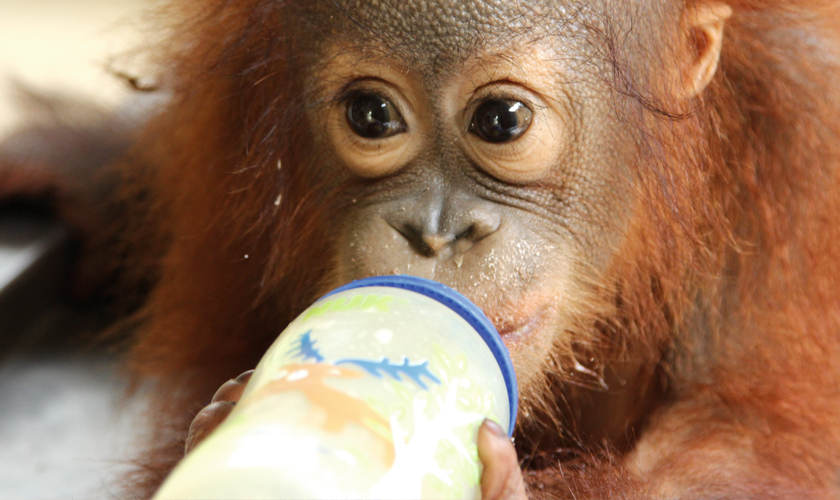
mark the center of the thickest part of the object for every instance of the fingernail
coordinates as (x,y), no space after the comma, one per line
(218,403)
(495,428)
(244,377)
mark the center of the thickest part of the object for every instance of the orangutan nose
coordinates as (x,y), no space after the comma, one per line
(435,229)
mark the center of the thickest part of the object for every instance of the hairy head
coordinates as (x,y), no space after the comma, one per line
(543,158)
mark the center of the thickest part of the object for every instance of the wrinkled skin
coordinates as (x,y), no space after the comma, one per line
(523,227)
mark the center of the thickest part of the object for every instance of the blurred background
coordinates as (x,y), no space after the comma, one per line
(65,426)
(65,46)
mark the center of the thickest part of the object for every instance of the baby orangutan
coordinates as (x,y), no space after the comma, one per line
(642,196)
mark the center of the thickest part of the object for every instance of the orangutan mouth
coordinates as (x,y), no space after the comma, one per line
(516,328)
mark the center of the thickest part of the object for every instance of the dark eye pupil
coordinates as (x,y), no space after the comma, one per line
(501,120)
(373,117)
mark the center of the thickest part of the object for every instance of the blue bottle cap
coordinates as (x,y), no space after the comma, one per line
(474,316)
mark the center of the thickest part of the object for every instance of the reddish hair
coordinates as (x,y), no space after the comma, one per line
(726,291)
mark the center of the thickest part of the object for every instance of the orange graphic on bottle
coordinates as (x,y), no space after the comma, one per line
(340,409)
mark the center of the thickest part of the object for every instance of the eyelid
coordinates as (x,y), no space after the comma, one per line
(530,156)
(377,87)
(502,90)
(520,131)
(353,90)
(352,93)
(372,158)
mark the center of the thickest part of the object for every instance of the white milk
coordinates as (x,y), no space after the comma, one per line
(375,391)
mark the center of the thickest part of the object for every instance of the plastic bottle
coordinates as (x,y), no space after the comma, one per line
(376,391)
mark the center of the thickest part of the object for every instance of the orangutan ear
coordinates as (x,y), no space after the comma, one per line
(704,23)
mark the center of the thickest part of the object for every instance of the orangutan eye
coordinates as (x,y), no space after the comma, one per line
(501,120)
(373,117)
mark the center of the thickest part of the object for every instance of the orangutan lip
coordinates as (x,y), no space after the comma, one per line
(515,331)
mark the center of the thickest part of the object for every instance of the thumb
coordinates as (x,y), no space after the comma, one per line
(502,478)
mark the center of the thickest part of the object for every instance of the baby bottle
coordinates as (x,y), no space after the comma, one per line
(375,391)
